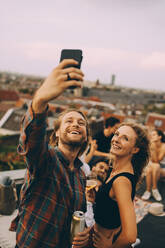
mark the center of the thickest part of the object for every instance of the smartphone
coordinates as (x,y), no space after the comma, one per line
(75,54)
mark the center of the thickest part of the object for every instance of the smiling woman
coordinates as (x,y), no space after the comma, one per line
(137,136)
(114,210)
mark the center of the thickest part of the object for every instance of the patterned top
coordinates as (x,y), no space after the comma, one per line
(51,191)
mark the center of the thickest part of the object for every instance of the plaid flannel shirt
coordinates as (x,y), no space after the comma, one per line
(51,191)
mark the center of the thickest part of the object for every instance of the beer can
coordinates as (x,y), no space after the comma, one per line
(77,224)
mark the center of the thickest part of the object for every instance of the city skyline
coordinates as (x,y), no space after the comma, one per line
(125,38)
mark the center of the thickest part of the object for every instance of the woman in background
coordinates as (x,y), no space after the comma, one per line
(153,169)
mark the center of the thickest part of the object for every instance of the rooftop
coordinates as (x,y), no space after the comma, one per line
(8,238)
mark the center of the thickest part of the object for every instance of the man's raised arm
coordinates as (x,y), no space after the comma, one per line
(56,83)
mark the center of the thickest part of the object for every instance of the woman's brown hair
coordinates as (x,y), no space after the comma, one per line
(53,141)
(141,158)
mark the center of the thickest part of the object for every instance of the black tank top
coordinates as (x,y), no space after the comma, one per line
(106,211)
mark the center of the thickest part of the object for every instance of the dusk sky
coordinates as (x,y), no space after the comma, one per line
(121,37)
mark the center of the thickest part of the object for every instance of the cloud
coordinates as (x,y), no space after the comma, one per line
(154,60)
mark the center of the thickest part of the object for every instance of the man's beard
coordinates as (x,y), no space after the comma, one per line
(71,143)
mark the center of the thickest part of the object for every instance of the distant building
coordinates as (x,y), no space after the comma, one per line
(156,120)
(8,95)
(113,79)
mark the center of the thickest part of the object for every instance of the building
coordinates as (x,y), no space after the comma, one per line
(156,120)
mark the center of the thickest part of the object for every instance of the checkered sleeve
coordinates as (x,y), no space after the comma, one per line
(32,142)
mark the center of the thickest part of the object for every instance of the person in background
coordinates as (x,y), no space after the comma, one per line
(99,145)
(153,168)
(104,137)
(100,167)
(114,211)
(54,182)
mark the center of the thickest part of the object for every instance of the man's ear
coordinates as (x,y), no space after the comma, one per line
(135,150)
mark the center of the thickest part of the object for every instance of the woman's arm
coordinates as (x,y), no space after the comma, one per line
(121,192)
(161,153)
(122,189)
(154,152)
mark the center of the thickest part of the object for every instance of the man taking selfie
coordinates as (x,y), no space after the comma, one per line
(54,182)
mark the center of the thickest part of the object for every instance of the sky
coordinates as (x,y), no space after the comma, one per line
(121,37)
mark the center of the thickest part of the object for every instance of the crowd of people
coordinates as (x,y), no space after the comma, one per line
(54,185)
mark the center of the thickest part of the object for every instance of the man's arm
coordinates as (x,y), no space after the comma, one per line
(122,191)
(33,130)
(56,83)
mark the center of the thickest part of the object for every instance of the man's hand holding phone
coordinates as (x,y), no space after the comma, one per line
(56,83)
(75,54)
